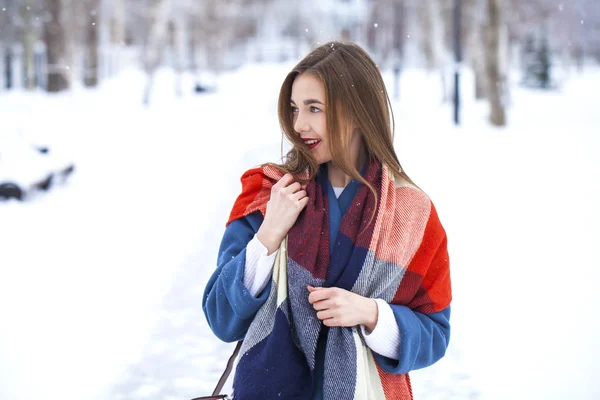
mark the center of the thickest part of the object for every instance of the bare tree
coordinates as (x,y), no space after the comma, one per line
(431,33)
(178,44)
(29,38)
(158,18)
(492,63)
(54,36)
(380,32)
(9,36)
(117,36)
(476,45)
(91,56)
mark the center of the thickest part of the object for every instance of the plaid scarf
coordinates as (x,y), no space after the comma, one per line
(399,257)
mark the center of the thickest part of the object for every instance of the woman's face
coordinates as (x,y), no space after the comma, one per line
(308,105)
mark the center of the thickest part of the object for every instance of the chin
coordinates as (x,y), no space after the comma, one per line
(321,160)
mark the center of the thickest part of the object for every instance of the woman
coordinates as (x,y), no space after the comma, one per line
(333,268)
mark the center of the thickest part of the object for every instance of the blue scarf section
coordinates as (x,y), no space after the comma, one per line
(337,209)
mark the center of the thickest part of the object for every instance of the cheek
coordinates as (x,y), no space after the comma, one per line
(323,154)
(322,124)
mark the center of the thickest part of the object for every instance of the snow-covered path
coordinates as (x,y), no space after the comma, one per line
(101,280)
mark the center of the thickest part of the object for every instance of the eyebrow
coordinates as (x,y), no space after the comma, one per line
(307,102)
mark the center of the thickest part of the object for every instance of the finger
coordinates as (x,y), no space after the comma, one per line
(314,289)
(331,322)
(318,295)
(323,305)
(299,195)
(293,188)
(303,202)
(323,315)
(284,181)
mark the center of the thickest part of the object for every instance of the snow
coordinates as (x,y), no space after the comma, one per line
(101,279)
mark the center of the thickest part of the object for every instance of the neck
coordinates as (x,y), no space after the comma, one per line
(339,178)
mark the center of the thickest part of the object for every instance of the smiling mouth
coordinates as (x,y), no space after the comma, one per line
(312,143)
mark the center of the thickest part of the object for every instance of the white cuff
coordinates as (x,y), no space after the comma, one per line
(385,338)
(259,266)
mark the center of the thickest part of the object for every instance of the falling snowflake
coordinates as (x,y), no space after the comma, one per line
(375,24)
(560,7)
(306,30)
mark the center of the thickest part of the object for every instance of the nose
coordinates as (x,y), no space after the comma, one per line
(301,123)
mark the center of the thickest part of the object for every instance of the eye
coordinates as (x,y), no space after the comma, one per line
(314,110)
(294,109)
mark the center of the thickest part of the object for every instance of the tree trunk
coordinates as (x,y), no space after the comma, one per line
(117,33)
(7,61)
(54,36)
(74,29)
(399,11)
(28,44)
(437,29)
(504,63)
(424,12)
(477,48)
(179,51)
(157,35)
(479,62)
(480,82)
(438,46)
(193,45)
(91,45)
(492,63)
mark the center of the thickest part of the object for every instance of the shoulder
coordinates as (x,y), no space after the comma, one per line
(251,177)
(256,191)
(407,195)
(411,203)
(259,178)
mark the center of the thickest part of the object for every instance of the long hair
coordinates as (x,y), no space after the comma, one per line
(354,94)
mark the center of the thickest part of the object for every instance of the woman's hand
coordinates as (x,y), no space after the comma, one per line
(339,307)
(288,199)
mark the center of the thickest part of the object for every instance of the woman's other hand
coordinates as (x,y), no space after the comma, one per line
(339,307)
(288,199)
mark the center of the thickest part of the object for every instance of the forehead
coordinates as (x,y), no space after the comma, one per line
(307,86)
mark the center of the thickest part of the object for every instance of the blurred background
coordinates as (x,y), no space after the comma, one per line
(126,124)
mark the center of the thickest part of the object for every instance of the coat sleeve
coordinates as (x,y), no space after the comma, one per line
(424,339)
(228,305)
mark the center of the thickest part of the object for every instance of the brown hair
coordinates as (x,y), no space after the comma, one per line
(354,93)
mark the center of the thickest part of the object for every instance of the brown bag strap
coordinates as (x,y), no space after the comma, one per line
(227,370)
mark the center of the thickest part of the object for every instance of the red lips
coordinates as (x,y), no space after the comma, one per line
(311,142)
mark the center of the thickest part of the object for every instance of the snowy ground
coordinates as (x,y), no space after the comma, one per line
(101,279)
